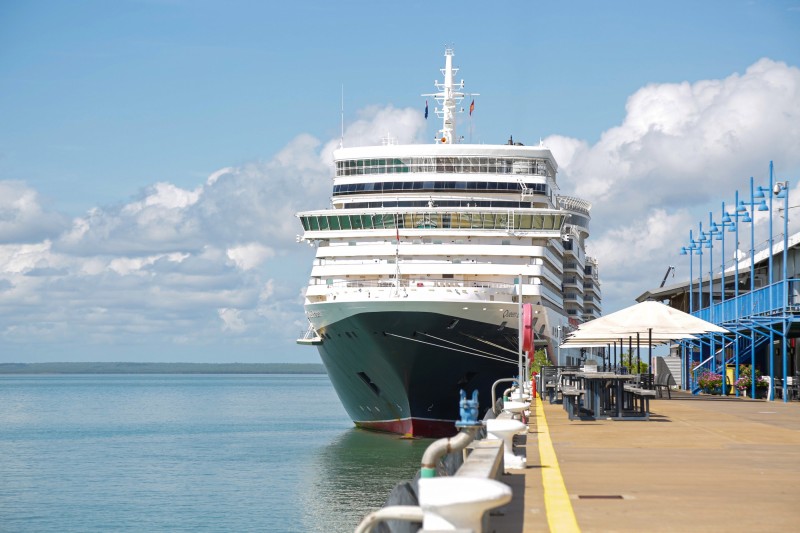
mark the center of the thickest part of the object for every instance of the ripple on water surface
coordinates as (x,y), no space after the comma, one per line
(189,453)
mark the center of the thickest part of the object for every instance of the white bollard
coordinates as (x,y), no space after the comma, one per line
(453,503)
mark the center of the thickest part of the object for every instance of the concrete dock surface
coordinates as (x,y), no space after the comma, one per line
(701,463)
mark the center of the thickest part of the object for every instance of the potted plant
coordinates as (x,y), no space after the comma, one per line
(710,382)
(539,360)
(745,382)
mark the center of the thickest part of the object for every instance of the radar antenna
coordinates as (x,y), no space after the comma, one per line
(341,140)
(449,96)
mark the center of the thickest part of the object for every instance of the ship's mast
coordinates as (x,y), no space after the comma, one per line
(449,96)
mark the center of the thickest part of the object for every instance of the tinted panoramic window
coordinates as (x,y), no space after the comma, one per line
(440,186)
(432,220)
(458,165)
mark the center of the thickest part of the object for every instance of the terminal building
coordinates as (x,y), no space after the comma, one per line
(755,296)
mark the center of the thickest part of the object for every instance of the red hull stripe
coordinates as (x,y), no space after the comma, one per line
(412,427)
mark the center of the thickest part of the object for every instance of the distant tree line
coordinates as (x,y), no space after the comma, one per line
(161,368)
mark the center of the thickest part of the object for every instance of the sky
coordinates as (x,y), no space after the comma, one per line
(153,153)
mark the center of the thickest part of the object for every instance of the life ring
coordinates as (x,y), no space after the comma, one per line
(527,327)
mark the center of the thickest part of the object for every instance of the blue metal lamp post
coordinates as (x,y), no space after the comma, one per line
(763,192)
(690,251)
(684,251)
(699,247)
(745,216)
(699,244)
(781,190)
(718,232)
(728,222)
(709,243)
(742,208)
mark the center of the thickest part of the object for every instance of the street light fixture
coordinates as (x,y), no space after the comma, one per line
(745,216)
(693,248)
(781,190)
(709,243)
(742,207)
(727,222)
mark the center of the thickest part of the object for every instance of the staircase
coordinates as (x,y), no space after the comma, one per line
(675,367)
(744,357)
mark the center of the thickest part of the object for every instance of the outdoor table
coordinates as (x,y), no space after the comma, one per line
(595,385)
(568,376)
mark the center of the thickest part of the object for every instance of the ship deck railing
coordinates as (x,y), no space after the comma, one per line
(420,282)
(423,288)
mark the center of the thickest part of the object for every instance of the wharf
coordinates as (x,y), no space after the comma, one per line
(701,463)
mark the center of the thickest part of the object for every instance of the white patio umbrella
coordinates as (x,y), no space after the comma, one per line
(651,322)
(582,339)
(650,317)
(586,339)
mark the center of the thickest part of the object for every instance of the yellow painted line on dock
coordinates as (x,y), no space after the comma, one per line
(560,515)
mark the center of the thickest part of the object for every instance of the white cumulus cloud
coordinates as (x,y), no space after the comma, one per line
(232,320)
(250,255)
(682,149)
(173,268)
(23,218)
(217,265)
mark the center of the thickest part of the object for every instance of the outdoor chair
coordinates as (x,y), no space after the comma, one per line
(779,388)
(549,382)
(645,381)
(790,388)
(663,382)
(664,379)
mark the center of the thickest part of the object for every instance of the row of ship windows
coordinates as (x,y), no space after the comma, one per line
(575,220)
(585,313)
(490,221)
(574,280)
(440,186)
(459,165)
(588,284)
(583,296)
(439,203)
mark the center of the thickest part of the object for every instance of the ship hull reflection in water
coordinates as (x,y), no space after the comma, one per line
(354,475)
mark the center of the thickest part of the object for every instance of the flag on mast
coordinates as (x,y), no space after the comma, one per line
(426,110)
(471,108)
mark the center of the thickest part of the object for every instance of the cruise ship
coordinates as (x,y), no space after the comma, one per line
(421,261)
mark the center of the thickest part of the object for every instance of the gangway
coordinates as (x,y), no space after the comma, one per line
(311,337)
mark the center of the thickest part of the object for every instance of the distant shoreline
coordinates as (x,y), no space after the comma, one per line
(161,368)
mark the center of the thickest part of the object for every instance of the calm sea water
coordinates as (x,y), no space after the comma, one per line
(189,453)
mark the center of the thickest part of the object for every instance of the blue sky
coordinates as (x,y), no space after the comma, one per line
(116,245)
